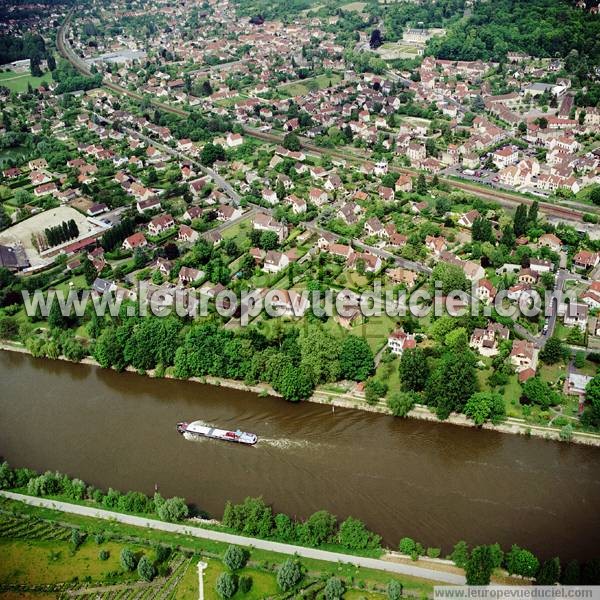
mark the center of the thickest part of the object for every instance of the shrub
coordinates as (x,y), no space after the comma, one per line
(334,589)
(407,546)
(172,510)
(127,559)
(394,590)
(353,535)
(433,552)
(245,584)
(146,569)
(226,585)
(460,554)
(103,555)
(99,538)
(77,538)
(289,575)
(521,562)
(318,529)
(235,557)
(162,552)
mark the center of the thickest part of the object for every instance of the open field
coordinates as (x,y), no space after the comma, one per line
(304,86)
(17,82)
(395,50)
(354,6)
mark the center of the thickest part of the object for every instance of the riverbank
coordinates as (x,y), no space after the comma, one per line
(510,425)
(227,538)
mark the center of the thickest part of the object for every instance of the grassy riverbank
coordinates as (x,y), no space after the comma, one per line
(42,558)
(348,400)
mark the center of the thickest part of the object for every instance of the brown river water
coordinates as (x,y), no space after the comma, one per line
(437,483)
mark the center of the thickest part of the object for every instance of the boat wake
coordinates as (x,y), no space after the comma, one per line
(286,444)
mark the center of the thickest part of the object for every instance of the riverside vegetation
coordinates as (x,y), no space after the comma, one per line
(254,518)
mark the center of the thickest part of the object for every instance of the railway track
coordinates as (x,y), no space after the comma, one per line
(504,199)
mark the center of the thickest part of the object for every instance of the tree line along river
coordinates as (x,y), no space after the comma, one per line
(437,483)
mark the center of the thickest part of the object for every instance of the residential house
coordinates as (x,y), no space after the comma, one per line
(275,262)
(485,341)
(399,341)
(189,275)
(187,234)
(265,222)
(467,219)
(523,356)
(226,212)
(485,291)
(136,240)
(576,315)
(586,259)
(160,224)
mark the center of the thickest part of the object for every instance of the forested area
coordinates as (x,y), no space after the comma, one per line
(428,14)
(70,80)
(545,28)
(12,48)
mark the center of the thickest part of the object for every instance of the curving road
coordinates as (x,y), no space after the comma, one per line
(228,538)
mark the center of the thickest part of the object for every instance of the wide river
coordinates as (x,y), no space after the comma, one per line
(435,482)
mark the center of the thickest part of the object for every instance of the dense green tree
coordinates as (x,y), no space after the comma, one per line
(549,572)
(354,535)
(520,220)
(172,509)
(421,186)
(591,416)
(479,566)
(356,359)
(401,403)
(292,142)
(318,529)
(521,562)
(449,278)
(553,351)
(481,230)
(571,574)
(211,153)
(413,369)
(320,353)
(452,383)
(539,392)
(484,406)
(407,546)
(460,554)
(285,529)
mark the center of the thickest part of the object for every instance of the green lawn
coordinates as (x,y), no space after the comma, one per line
(319,82)
(262,580)
(44,562)
(17,82)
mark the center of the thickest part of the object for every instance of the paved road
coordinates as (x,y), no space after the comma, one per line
(218,536)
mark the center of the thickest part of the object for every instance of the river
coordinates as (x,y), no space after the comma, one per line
(434,482)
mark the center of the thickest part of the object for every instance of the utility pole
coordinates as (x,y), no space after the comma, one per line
(201,567)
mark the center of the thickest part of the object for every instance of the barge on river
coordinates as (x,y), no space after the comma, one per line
(197,429)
